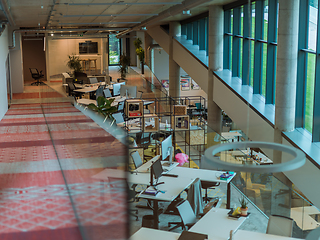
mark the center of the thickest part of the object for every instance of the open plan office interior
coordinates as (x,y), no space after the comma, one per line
(159,119)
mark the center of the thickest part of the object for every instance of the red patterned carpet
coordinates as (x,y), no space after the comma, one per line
(38,200)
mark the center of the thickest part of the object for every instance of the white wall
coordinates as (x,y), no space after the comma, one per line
(4,51)
(161,70)
(16,65)
(58,51)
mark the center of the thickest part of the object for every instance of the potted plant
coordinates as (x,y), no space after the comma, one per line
(104,107)
(243,206)
(74,63)
(124,63)
(140,52)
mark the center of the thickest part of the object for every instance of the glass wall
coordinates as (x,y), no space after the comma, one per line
(114,50)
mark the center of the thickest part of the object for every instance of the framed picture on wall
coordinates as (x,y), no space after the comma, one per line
(185,84)
(165,83)
(194,85)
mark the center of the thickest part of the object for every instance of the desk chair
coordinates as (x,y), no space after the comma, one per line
(72,93)
(132,198)
(36,75)
(207,185)
(121,106)
(107,93)
(99,92)
(136,159)
(144,140)
(187,215)
(118,117)
(280,225)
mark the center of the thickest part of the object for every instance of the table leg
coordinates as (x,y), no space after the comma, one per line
(228,195)
(155,214)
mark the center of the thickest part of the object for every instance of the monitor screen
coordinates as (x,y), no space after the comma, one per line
(116,88)
(166,147)
(157,169)
(88,47)
(130,90)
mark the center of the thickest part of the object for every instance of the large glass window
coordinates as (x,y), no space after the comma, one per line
(250,34)
(114,50)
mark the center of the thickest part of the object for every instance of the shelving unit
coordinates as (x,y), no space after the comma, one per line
(134,108)
(150,123)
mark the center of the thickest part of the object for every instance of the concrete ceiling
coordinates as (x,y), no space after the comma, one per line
(115,14)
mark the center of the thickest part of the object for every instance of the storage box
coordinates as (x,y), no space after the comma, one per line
(179,110)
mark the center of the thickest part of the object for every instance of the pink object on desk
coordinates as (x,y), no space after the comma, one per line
(181,158)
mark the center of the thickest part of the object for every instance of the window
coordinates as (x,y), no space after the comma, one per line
(114,50)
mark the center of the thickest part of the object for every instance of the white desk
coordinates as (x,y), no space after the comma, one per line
(85,101)
(245,235)
(154,234)
(231,135)
(217,225)
(145,168)
(86,89)
(171,188)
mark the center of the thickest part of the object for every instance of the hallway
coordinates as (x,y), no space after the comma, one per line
(41,134)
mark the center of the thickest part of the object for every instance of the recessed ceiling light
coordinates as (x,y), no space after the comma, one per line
(41,6)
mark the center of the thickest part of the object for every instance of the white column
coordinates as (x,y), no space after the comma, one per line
(287,53)
(174,68)
(215,62)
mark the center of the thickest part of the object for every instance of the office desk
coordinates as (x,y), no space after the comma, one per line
(154,234)
(172,187)
(245,235)
(217,225)
(231,135)
(206,175)
(146,166)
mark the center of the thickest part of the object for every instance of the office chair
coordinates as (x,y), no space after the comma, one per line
(107,93)
(144,140)
(99,92)
(121,106)
(131,199)
(207,185)
(280,225)
(136,159)
(72,92)
(187,215)
(36,75)
(195,197)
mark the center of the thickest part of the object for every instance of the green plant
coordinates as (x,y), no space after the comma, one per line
(124,63)
(140,53)
(243,203)
(104,107)
(74,63)
(137,43)
(139,50)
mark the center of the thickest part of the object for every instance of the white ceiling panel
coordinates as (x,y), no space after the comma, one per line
(29,13)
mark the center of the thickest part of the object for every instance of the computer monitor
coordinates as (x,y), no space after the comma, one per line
(116,88)
(166,148)
(130,91)
(156,172)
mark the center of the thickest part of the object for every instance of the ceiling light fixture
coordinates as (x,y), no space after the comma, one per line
(186,12)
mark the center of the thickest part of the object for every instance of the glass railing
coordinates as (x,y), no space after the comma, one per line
(266,194)
(92,163)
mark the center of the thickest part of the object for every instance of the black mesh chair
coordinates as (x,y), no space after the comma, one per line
(72,92)
(36,75)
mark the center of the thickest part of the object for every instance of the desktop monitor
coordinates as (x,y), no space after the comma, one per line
(130,90)
(156,172)
(166,148)
(116,88)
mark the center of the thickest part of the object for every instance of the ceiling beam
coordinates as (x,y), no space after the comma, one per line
(102,23)
(7,12)
(113,15)
(123,3)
